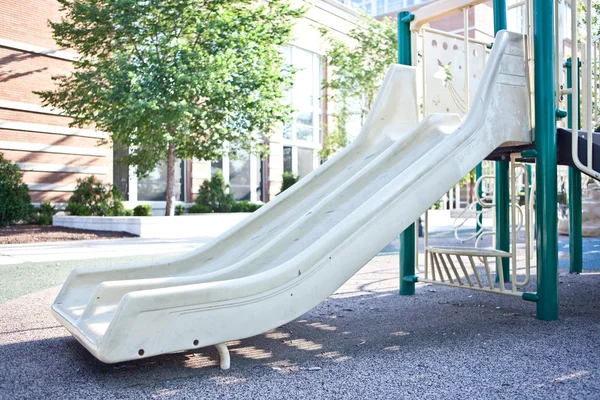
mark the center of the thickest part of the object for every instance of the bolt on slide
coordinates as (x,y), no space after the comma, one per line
(298,249)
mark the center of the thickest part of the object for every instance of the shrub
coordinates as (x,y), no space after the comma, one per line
(213,196)
(214,193)
(289,179)
(254,206)
(143,210)
(179,209)
(92,197)
(43,215)
(44,219)
(47,208)
(15,202)
(245,206)
(117,208)
(199,209)
(78,209)
(239,206)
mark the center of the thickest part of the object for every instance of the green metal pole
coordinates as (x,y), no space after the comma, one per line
(499,15)
(404,41)
(545,143)
(575,222)
(408,237)
(502,187)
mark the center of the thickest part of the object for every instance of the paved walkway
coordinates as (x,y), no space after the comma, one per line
(117,248)
(91,249)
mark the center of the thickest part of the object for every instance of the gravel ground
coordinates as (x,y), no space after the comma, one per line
(364,342)
(17,234)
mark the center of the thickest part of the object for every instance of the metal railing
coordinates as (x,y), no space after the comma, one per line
(586,46)
(475,268)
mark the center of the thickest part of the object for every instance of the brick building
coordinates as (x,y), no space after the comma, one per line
(51,155)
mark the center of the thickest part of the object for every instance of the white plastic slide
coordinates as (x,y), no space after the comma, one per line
(295,251)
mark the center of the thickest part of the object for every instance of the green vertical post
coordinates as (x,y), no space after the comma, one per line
(408,237)
(575,223)
(545,143)
(502,187)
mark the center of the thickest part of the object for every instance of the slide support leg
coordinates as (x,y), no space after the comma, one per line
(224,359)
(408,237)
(407,260)
(502,175)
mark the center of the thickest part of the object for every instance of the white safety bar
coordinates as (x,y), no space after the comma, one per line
(589,65)
(488,198)
(457,266)
(528,194)
(486,201)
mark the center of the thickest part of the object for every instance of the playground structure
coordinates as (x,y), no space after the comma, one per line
(554,77)
(299,248)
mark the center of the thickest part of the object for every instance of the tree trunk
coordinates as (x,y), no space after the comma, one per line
(170,204)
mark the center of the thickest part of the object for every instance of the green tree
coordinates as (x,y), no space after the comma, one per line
(358,70)
(175,79)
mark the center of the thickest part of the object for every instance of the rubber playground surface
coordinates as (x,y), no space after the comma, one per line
(365,341)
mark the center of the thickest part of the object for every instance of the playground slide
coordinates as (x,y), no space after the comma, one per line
(298,249)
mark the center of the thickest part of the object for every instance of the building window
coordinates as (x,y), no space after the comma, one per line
(302,137)
(287,159)
(154,186)
(151,188)
(239,177)
(306,161)
(243,174)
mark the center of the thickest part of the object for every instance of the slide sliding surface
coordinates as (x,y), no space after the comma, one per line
(298,249)
(394,115)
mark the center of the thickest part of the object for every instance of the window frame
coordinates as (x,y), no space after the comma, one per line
(317,110)
(254,179)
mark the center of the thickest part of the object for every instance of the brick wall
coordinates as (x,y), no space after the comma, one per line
(60,156)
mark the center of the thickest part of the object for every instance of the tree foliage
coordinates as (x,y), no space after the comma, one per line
(357,72)
(198,77)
